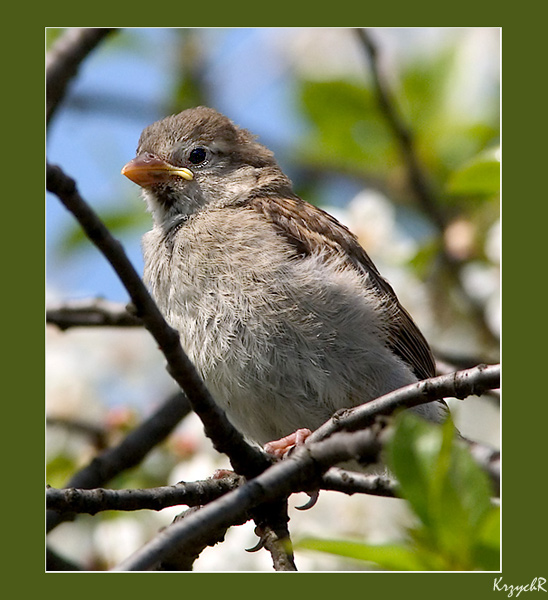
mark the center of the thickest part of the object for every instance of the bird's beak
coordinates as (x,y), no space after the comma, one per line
(147,169)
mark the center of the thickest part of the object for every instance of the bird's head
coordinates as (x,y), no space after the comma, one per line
(188,161)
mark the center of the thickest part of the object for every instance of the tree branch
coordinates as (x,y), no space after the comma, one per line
(64,59)
(196,493)
(279,545)
(460,384)
(245,459)
(352,482)
(182,558)
(299,471)
(304,468)
(95,312)
(92,501)
(129,452)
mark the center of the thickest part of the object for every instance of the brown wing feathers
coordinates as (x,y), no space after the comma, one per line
(308,228)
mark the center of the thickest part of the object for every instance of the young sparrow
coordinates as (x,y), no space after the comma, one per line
(281,310)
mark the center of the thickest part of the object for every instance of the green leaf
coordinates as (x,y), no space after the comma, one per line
(458,527)
(412,457)
(479,176)
(389,557)
(444,137)
(345,129)
(421,93)
(447,490)
(424,257)
(487,548)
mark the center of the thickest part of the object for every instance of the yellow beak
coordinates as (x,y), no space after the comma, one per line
(147,170)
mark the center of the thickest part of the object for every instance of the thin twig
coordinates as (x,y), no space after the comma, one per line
(96,433)
(402,133)
(420,183)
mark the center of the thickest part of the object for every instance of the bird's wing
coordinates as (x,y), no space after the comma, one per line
(308,229)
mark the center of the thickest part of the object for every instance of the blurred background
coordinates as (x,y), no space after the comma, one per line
(311,96)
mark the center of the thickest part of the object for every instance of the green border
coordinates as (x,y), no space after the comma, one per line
(524,227)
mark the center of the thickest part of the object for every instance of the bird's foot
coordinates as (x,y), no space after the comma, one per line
(282,447)
(222,473)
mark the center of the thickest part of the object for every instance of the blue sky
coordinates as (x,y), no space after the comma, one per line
(248,76)
(137,68)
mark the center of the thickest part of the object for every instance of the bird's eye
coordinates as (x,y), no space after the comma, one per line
(197,156)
